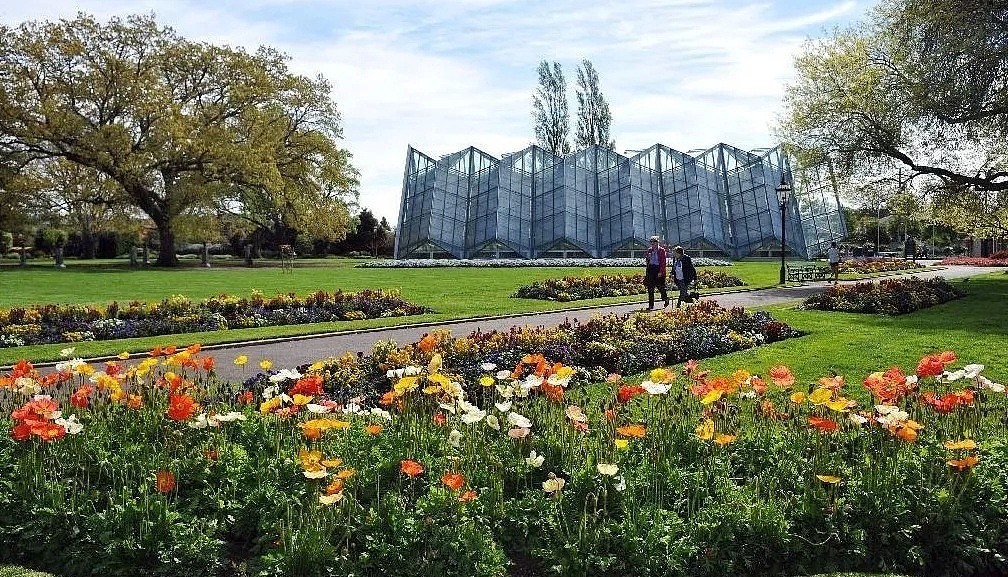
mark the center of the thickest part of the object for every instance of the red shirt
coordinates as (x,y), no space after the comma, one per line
(662,258)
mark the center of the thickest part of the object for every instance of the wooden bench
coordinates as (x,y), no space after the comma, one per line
(806,273)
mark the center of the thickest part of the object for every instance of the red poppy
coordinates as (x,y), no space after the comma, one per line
(308,386)
(21,369)
(627,392)
(208,364)
(411,468)
(439,418)
(81,397)
(246,397)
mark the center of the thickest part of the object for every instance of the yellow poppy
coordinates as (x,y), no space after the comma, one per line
(831,479)
(967,444)
(705,431)
(820,396)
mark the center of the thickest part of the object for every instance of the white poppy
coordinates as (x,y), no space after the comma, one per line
(229,417)
(488,367)
(954,375)
(654,388)
(857,419)
(535,460)
(493,422)
(312,407)
(607,469)
(503,406)
(972,371)
(200,422)
(381,413)
(471,417)
(503,375)
(285,374)
(70,425)
(455,438)
(520,421)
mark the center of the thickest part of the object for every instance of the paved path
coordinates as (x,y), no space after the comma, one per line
(289,353)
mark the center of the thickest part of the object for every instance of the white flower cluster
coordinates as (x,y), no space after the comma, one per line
(521,262)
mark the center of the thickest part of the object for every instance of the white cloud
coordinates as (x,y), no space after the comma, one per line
(443,75)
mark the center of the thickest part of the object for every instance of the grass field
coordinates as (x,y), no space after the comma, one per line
(453,293)
(853,344)
(847,344)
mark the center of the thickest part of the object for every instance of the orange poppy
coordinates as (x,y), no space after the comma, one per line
(453,481)
(208,364)
(411,468)
(373,429)
(632,431)
(467,496)
(782,376)
(165,482)
(427,343)
(181,407)
(825,425)
(964,463)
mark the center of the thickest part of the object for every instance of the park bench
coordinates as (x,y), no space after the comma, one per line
(806,273)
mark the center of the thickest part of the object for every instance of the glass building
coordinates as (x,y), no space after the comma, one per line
(596,203)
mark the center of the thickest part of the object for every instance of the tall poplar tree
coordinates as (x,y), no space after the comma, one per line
(593,111)
(549,109)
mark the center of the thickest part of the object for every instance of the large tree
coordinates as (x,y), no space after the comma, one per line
(177,124)
(549,109)
(593,111)
(75,197)
(921,87)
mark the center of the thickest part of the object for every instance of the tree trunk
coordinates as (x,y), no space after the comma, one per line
(89,244)
(166,252)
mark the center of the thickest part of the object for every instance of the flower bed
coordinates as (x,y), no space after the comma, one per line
(973,261)
(157,467)
(888,296)
(877,266)
(42,324)
(573,288)
(523,262)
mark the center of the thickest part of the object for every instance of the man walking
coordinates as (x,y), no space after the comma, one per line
(685,274)
(656,260)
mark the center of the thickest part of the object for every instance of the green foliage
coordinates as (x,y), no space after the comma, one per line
(593,116)
(549,110)
(179,126)
(914,93)
(888,296)
(573,288)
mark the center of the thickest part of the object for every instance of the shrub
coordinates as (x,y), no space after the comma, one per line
(889,296)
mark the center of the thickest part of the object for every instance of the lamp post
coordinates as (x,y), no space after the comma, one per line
(783,192)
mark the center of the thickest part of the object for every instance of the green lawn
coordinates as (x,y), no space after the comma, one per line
(460,293)
(852,344)
(452,292)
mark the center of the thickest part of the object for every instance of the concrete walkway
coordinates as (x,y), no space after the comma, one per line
(291,352)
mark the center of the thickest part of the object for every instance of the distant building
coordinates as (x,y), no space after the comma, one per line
(597,203)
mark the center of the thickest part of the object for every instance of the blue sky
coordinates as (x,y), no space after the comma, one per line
(443,75)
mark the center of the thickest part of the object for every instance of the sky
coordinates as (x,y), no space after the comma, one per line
(442,75)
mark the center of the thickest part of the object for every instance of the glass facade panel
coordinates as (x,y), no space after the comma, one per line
(595,202)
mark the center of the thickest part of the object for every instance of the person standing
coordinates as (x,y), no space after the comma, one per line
(685,274)
(833,256)
(656,261)
(910,248)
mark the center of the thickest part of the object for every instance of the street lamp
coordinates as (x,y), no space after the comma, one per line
(783,192)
